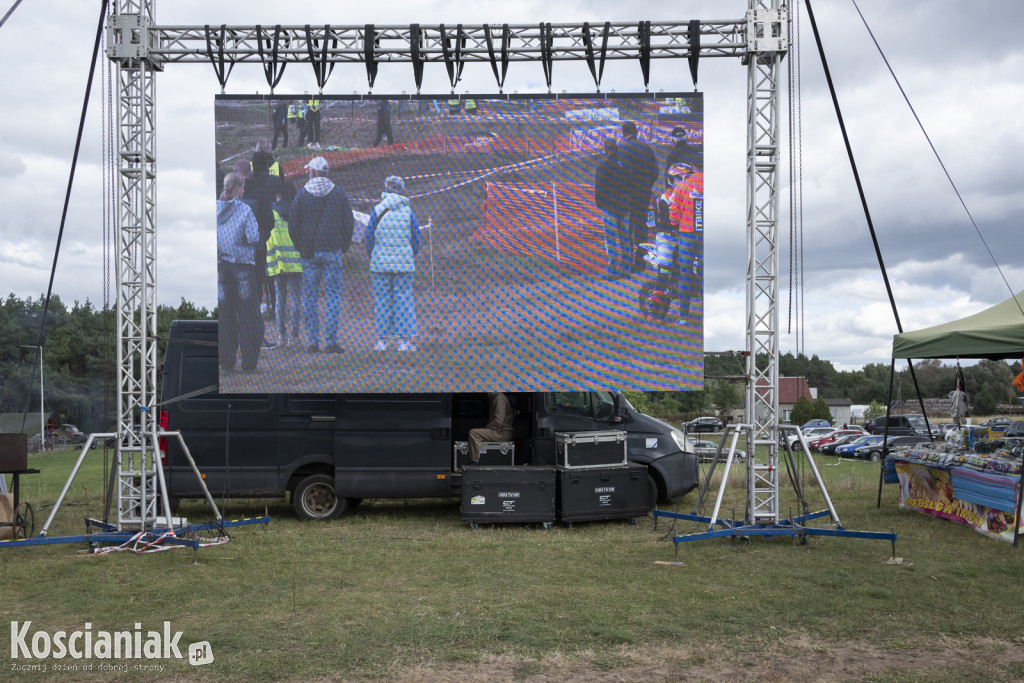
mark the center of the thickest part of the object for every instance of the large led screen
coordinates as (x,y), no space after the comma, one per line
(397,244)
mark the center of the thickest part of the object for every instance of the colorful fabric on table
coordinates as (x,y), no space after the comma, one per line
(998,491)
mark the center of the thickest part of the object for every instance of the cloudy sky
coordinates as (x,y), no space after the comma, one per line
(960,64)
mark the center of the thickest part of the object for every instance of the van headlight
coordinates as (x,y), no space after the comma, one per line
(680,440)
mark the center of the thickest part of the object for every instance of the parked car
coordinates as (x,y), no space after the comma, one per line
(704,424)
(72,434)
(809,434)
(817,422)
(830,448)
(869,425)
(996,422)
(925,428)
(706,450)
(873,451)
(817,443)
(1015,430)
(899,425)
(847,449)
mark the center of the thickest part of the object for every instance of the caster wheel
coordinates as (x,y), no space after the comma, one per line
(24,521)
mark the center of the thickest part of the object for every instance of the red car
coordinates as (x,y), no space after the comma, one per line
(816,444)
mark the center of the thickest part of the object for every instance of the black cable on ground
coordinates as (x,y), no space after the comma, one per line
(67,194)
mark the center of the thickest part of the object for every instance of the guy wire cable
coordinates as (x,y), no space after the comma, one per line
(937,157)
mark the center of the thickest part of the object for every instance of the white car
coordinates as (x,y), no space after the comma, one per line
(706,450)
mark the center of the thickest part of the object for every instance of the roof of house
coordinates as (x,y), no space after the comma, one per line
(792,388)
(836,402)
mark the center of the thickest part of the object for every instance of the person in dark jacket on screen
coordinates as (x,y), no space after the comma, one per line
(609,196)
(279,116)
(640,170)
(320,222)
(383,122)
(682,152)
(260,193)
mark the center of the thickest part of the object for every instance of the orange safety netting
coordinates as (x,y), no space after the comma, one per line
(556,221)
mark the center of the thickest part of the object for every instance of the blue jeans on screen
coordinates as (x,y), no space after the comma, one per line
(288,292)
(616,243)
(395,304)
(322,273)
(241,325)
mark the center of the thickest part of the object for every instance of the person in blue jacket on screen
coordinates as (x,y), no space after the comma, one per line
(393,240)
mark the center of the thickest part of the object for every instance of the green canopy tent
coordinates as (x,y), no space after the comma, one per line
(995,333)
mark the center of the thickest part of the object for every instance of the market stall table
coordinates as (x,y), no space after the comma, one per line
(976,489)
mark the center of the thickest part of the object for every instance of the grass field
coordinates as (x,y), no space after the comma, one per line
(405,590)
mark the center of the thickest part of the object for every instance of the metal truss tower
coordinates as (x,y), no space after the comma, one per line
(141,49)
(767,39)
(130,40)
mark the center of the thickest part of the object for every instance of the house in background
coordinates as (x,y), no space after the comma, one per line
(842,411)
(790,391)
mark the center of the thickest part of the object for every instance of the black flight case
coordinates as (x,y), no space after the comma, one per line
(590,449)
(596,493)
(508,495)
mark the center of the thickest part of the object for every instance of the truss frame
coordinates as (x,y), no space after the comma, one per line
(141,48)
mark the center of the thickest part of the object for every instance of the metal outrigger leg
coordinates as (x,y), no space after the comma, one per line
(144,509)
(761,515)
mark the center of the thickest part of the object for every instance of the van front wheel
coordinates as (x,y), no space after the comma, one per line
(314,499)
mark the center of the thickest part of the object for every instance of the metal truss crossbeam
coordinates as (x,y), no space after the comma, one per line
(436,43)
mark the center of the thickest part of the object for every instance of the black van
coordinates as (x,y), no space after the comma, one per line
(330,450)
(899,425)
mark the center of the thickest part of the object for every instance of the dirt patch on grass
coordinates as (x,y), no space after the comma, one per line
(794,659)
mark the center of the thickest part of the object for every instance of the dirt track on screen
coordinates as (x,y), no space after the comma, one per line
(486,318)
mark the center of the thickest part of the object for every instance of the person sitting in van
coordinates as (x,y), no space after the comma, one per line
(498,428)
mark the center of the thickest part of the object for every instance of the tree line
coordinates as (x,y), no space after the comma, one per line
(79,357)
(80,369)
(988,382)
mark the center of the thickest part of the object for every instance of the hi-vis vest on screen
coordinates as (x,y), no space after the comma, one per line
(282,256)
(313,105)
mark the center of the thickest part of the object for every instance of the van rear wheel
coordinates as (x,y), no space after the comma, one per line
(314,499)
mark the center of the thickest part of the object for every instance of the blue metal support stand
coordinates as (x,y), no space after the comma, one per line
(795,527)
(108,534)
